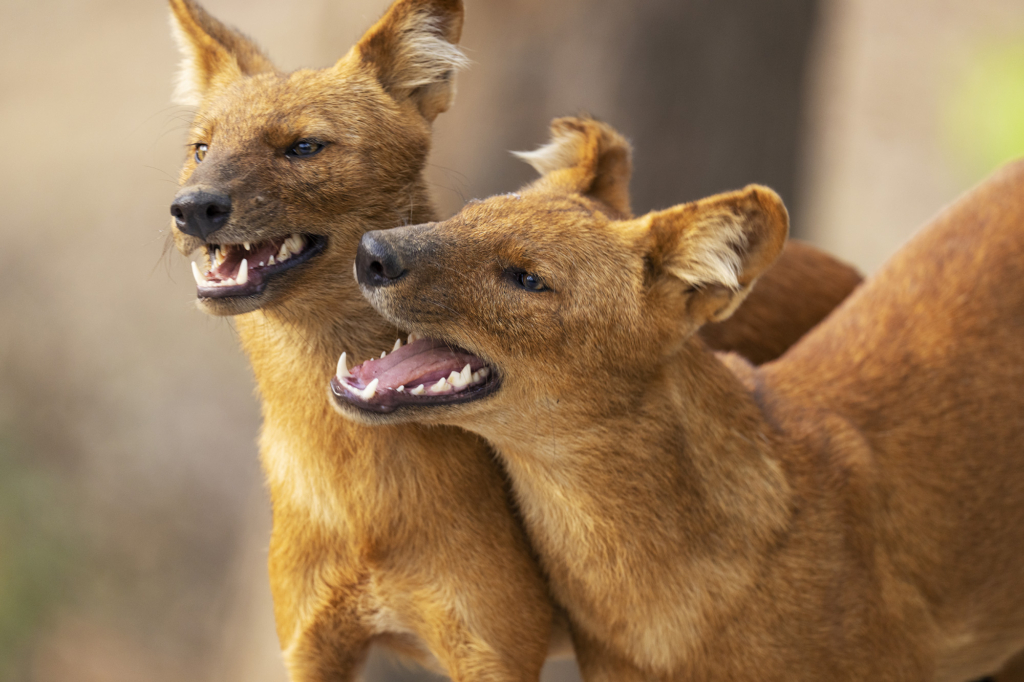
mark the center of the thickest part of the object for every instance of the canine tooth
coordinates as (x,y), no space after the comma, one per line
(200,280)
(246,245)
(398,344)
(413,336)
(458,380)
(441,385)
(243,272)
(418,390)
(383,354)
(401,389)
(370,390)
(343,372)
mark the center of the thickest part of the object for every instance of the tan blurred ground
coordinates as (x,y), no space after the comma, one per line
(127,418)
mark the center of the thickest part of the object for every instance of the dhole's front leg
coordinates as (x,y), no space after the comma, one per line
(598,664)
(316,607)
(476,641)
(486,619)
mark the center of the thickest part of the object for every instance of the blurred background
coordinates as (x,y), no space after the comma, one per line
(133,522)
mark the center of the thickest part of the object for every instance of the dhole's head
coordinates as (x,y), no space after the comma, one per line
(552,295)
(284,172)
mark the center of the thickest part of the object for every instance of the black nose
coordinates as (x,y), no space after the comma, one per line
(378,263)
(199,213)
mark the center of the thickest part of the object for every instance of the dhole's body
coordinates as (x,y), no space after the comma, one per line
(377,536)
(851,511)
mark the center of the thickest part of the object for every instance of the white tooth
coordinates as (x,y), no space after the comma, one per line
(343,372)
(467,374)
(398,344)
(441,385)
(414,337)
(283,253)
(418,390)
(295,243)
(484,371)
(243,272)
(453,378)
(401,389)
(271,261)
(262,264)
(246,245)
(200,280)
(476,377)
(370,390)
(383,354)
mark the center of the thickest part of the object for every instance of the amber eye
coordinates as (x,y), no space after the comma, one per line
(305,148)
(529,281)
(200,152)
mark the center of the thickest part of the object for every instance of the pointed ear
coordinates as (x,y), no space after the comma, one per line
(213,55)
(412,51)
(586,157)
(710,252)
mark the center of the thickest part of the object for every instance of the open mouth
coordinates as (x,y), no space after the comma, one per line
(423,371)
(244,269)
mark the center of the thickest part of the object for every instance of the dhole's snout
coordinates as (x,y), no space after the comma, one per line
(380,260)
(200,213)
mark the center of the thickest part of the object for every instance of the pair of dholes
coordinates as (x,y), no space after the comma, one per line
(402,535)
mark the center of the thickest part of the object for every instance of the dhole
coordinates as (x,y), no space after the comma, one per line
(851,511)
(377,536)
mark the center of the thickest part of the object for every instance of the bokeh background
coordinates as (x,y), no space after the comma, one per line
(133,522)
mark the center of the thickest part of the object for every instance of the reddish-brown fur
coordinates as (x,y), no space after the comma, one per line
(377,536)
(851,511)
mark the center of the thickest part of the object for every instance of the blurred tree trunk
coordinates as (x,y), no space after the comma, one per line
(711,92)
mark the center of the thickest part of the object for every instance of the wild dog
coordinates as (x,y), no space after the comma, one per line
(376,536)
(851,511)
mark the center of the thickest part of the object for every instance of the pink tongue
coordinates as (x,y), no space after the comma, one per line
(419,362)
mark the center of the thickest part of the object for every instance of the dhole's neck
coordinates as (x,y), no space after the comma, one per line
(294,347)
(684,490)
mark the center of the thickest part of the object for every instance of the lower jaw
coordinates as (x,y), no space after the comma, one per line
(228,306)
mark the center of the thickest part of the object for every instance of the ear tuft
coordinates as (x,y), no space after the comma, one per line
(586,157)
(567,149)
(719,246)
(212,54)
(414,53)
(712,254)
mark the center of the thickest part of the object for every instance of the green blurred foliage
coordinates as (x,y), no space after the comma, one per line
(35,554)
(983,122)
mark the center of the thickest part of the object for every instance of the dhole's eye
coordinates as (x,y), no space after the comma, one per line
(528,280)
(200,152)
(305,148)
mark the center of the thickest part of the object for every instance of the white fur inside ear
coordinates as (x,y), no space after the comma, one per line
(187,85)
(711,253)
(424,56)
(564,151)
